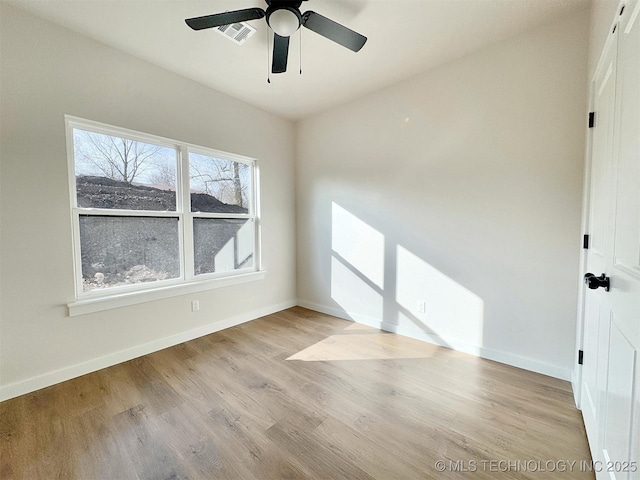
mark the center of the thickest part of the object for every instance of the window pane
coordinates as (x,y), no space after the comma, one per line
(113,172)
(127,250)
(222,245)
(219,185)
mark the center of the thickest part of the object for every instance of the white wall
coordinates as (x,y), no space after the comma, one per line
(47,72)
(460,187)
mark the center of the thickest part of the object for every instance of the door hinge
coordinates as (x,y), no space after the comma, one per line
(592,119)
(585,242)
(580,357)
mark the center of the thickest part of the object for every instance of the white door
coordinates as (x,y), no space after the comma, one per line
(611,376)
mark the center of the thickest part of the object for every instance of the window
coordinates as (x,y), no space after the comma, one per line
(150,212)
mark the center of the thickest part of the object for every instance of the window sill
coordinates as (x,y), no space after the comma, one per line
(91,305)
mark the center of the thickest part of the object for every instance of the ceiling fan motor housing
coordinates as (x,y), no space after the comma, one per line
(284,3)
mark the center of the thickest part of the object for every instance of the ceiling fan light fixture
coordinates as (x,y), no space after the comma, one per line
(284,21)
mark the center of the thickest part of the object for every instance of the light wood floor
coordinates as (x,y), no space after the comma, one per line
(297,394)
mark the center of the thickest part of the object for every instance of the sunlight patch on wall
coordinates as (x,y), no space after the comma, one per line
(449,309)
(361,245)
(353,293)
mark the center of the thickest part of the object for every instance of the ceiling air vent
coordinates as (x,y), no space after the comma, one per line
(238,32)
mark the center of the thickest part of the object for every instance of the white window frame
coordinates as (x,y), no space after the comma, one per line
(187,282)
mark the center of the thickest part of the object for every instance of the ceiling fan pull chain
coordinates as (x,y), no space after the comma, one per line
(268,58)
(300,30)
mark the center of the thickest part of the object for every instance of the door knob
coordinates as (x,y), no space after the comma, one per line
(594,282)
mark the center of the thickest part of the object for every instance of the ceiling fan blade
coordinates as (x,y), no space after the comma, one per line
(333,31)
(226,18)
(280,53)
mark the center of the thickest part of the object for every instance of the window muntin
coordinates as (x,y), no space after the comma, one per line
(183,214)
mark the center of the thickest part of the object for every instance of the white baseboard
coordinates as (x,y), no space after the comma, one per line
(453,343)
(51,378)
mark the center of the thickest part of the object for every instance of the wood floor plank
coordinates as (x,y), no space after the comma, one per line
(297,394)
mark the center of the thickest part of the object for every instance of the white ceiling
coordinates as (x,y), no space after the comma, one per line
(405,37)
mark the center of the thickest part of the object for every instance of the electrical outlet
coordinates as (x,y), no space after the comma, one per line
(195,305)
(421,306)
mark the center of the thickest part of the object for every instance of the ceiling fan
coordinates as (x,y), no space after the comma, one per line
(284,18)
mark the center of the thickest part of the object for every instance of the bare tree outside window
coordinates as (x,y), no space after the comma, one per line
(164,175)
(120,173)
(122,159)
(226,180)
